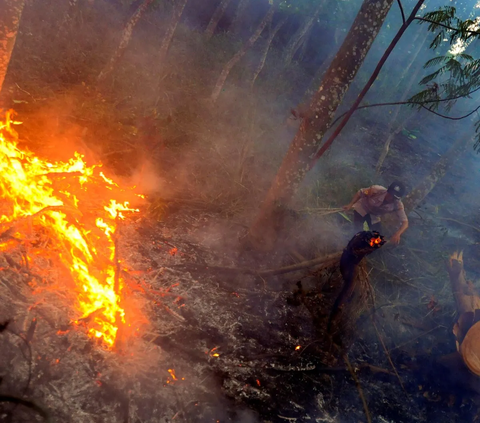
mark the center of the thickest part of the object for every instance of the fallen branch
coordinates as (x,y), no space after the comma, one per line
(459,222)
(359,388)
(389,358)
(320,262)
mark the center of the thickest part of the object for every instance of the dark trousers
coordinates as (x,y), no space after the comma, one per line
(358,220)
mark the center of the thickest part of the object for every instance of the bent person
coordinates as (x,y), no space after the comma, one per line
(370,204)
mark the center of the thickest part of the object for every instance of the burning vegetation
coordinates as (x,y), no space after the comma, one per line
(68,213)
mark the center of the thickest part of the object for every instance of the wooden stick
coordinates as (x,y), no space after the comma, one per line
(389,358)
(318,262)
(359,387)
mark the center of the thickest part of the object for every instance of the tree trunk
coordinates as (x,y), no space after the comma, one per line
(10,14)
(124,41)
(235,59)
(303,45)
(296,39)
(266,49)
(416,196)
(217,15)
(177,14)
(237,18)
(323,106)
(392,133)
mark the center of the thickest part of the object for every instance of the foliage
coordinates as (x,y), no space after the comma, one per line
(456,74)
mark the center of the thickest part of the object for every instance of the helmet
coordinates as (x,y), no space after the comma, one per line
(397,189)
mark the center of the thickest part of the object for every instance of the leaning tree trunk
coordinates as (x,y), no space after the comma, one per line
(323,106)
(177,14)
(416,196)
(237,18)
(295,40)
(263,58)
(10,14)
(217,15)
(235,59)
(125,40)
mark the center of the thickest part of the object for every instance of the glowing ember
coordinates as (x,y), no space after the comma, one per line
(78,207)
(375,241)
(172,373)
(297,347)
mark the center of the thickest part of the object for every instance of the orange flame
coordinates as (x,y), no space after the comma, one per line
(78,206)
(375,241)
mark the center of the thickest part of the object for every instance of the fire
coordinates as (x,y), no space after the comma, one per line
(79,208)
(375,241)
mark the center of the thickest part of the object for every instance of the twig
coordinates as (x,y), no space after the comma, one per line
(360,391)
(401,10)
(389,357)
(415,338)
(459,222)
(173,313)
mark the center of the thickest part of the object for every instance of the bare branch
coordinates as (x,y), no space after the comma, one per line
(401,10)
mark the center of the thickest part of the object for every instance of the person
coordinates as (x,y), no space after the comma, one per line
(369,204)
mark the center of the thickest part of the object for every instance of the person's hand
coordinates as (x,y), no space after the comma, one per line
(347,207)
(395,239)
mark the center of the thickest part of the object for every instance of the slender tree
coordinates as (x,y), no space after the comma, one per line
(268,43)
(124,40)
(296,40)
(393,120)
(178,8)
(217,15)
(337,79)
(238,16)
(10,14)
(240,53)
(438,171)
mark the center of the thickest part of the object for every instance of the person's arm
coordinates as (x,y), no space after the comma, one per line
(355,198)
(395,239)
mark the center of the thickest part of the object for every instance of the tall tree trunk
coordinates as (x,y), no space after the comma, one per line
(237,18)
(10,14)
(124,41)
(217,15)
(239,54)
(177,14)
(323,106)
(303,46)
(263,57)
(295,40)
(392,133)
(438,171)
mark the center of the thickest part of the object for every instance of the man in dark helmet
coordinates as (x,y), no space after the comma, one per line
(369,204)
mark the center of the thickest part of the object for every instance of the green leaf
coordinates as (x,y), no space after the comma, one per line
(345,216)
